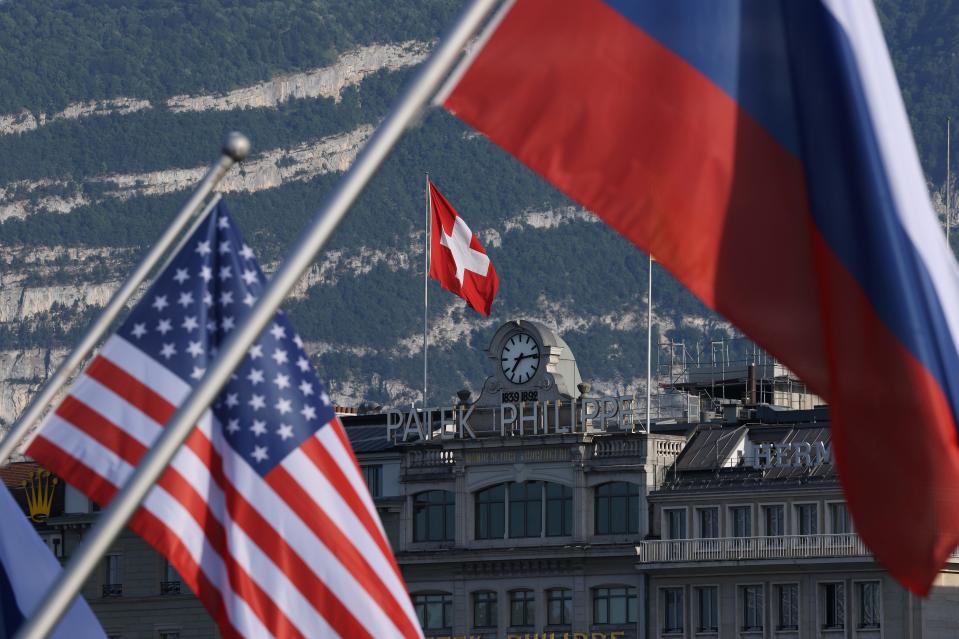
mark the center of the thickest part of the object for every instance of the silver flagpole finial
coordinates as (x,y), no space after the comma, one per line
(237,146)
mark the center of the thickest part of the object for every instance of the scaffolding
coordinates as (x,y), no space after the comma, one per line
(729,371)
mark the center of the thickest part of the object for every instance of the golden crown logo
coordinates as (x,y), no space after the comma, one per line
(39,489)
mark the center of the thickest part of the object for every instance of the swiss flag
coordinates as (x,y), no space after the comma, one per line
(458,261)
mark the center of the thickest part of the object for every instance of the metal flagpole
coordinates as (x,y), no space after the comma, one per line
(948,180)
(334,208)
(426,284)
(235,150)
(649,342)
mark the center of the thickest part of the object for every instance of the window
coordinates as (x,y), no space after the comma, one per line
(742,518)
(672,610)
(617,508)
(615,605)
(491,512)
(434,610)
(373,475)
(675,523)
(707,609)
(787,598)
(522,608)
(708,522)
(484,609)
(839,521)
(112,578)
(807,516)
(832,598)
(526,509)
(751,598)
(559,607)
(434,516)
(775,520)
(869,593)
(170,584)
(559,510)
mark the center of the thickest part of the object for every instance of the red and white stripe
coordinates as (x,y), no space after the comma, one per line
(298,553)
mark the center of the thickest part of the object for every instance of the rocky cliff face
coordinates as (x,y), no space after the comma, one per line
(324,82)
(64,285)
(266,170)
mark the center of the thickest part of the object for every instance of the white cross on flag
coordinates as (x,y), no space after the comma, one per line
(459,262)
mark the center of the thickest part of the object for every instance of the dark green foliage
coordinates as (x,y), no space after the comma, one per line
(923,39)
(55,53)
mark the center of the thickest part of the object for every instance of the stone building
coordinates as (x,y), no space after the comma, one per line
(541,509)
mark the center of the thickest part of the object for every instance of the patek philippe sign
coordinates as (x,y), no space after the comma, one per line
(793,454)
(519,414)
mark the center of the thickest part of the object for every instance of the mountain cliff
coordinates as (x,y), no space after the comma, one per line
(110,112)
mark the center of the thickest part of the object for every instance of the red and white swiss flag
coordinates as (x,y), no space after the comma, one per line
(459,262)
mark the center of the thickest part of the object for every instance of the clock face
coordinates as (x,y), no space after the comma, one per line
(520,358)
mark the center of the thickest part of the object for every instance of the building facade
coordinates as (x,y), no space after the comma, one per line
(543,510)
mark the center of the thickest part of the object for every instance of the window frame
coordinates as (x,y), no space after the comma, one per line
(664,593)
(858,595)
(741,605)
(698,627)
(376,488)
(797,513)
(447,509)
(491,604)
(566,616)
(823,600)
(531,506)
(629,595)
(664,514)
(731,519)
(479,504)
(698,517)
(778,625)
(830,520)
(631,503)
(447,606)
(565,505)
(765,521)
(529,607)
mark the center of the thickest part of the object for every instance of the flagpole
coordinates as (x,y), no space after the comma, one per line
(649,342)
(426,285)
(235,149)
(112,520)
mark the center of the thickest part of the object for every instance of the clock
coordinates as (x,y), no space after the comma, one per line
(519,358)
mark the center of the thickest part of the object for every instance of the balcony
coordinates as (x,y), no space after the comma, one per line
(112,590)
(169,587)
(752,548)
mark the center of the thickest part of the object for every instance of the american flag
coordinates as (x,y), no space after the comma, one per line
(264,511)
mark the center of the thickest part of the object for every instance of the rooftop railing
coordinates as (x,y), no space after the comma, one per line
(746,548)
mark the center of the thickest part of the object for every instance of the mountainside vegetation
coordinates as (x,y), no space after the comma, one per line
(577,274)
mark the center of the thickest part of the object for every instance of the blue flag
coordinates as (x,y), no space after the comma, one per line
(27,570)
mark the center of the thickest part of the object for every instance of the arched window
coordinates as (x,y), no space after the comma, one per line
(526,509)
(521,507)
(522,608)
(434,610)
(559,606)
(491,512)
(559,510)
(617,508)
(434,516)
(484,609)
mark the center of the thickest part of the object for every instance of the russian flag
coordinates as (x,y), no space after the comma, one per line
(761,150)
